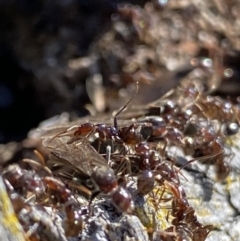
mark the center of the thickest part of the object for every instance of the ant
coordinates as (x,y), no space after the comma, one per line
(24,180)
(73,221)
(168,126)
(207,145)
(149,163)
(210,107)
(20,182)
(84,159)
(104,131)
(184,217)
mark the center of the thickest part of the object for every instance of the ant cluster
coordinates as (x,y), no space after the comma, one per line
(32,190)
(94,159)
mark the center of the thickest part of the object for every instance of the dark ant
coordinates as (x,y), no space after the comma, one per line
(33,218)
(173,115)
(164,128)
(210,107)
(133,134)
(158,125)
(184,217)
(83,158)
(209,146)
(44,188)
(151,165)
(73,220)
(23,180)
(104,131)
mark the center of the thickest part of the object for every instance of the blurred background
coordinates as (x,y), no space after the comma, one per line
(82,56)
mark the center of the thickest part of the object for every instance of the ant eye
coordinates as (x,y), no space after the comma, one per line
(190,130)
(231,129)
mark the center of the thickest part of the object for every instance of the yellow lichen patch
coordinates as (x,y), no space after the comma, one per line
(155,213)
(229,180)
(201,212)
(161,199)
(144,217)
(233,141)
(8,218)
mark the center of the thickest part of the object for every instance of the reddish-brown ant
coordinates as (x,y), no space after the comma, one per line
(184,215)
(57,190)
(209,107)
(150,164)
(73,222)
(208,145)
(46,189)
(104,131)
(23,180)
(83,158)
(17,178)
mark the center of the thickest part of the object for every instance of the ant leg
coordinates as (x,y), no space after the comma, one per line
(108,154)
(36,165)
(59,134)
(84,139)
(40,157)
(93,196)
(32,231)
(122,166)
(74,184)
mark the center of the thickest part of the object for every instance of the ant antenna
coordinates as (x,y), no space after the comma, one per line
(124,107)
(199,159)
(108,153)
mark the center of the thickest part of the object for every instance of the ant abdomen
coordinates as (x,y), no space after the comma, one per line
(122,200)
(145,182)
(104,178)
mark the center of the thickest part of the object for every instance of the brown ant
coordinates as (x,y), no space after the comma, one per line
(83,158)
(183,213)
(209,107)
(23,180)
(58,190)
(20,182)
(34,218)
(207,145)
(104,131)
(150,164)
(164,128)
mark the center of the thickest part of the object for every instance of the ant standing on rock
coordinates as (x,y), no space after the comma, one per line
(81,157)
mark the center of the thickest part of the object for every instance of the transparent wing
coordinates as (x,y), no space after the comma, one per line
(81,157)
